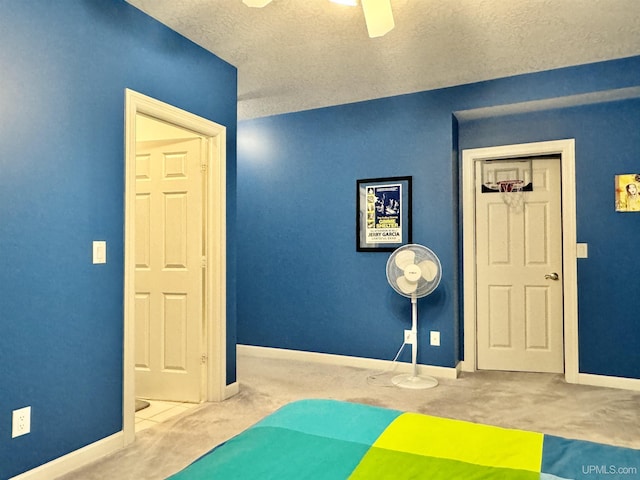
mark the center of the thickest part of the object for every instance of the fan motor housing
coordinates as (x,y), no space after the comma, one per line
(412,273)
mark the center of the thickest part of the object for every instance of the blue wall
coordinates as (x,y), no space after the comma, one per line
(65,66)
(607,143)
(303,286)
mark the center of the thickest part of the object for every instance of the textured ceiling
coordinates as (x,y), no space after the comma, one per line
(300,54)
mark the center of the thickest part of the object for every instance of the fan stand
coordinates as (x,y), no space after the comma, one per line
(413,380)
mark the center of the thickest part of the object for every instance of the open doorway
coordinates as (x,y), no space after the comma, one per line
(170,234)
(209,141)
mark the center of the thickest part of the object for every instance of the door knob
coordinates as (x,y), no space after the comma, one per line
(551,276)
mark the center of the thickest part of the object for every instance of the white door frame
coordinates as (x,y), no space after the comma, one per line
(566,149)
(215,292)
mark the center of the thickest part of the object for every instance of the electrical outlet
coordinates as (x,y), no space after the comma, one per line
(434,338)
(409,337)
(21,422)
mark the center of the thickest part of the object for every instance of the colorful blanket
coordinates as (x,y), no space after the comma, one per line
(327,439)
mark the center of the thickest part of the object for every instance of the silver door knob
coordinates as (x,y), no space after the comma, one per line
(551,276)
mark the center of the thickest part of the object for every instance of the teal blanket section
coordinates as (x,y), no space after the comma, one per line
(295,443)
(578,459)
(271,453)
(351,422)
(328,439)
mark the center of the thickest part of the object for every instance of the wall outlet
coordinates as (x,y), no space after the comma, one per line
(434,338)
(409,337)
(21,422)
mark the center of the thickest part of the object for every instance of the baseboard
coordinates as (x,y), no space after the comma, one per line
(465,366)
(343,360)
(610,382)
(586,379)
(74,460)
(231,390)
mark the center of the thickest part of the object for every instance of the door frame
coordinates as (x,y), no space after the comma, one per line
(215,295)
(566,150)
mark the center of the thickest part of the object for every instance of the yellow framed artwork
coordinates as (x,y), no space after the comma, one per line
(628,192)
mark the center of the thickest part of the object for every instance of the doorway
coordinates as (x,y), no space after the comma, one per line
(475,307)
(212,140)
(170,236)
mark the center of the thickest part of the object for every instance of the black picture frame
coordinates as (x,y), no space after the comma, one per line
(376,200)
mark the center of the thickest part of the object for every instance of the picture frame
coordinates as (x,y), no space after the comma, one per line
(383,213)
(627,192)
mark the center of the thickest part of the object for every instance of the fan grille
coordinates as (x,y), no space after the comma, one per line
(414,271)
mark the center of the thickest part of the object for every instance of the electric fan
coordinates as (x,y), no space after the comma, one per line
(414,272)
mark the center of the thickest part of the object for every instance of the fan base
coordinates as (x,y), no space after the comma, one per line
(414,382)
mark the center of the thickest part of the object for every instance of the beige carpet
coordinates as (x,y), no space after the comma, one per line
(537,402)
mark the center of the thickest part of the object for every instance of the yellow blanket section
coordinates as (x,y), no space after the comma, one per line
(463,441)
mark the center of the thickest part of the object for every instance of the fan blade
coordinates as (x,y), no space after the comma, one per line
(256,3)
(405,285)
(379,17)
(429,270)
(405,258)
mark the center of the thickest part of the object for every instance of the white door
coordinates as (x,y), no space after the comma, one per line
(168,277)
(518,253)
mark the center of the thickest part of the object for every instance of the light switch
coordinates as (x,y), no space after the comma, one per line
(99,251)
(582,250)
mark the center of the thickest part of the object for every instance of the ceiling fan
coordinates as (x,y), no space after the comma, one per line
(377,13)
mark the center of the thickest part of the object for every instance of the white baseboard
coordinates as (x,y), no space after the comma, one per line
(586,379)
(231,390)
(441,372)
(466,366)
(74,460)
(343,360)
(610,382)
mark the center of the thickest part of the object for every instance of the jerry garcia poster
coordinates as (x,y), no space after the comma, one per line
(383,213)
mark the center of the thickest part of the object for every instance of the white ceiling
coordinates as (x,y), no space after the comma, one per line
(296,55)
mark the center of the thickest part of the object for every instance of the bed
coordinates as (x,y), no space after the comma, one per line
(328,439)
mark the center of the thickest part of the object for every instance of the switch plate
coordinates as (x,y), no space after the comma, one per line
(434,338)
(582,250)
(21,422)
(99,251)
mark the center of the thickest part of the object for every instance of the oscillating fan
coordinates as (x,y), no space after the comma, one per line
(414,272)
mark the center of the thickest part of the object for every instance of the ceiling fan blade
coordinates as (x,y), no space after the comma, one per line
(256,3)
(405,285)
(404,258)
(429,270)
(379,17)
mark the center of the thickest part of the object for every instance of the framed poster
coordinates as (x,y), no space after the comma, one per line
(628,192)
(383,214)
